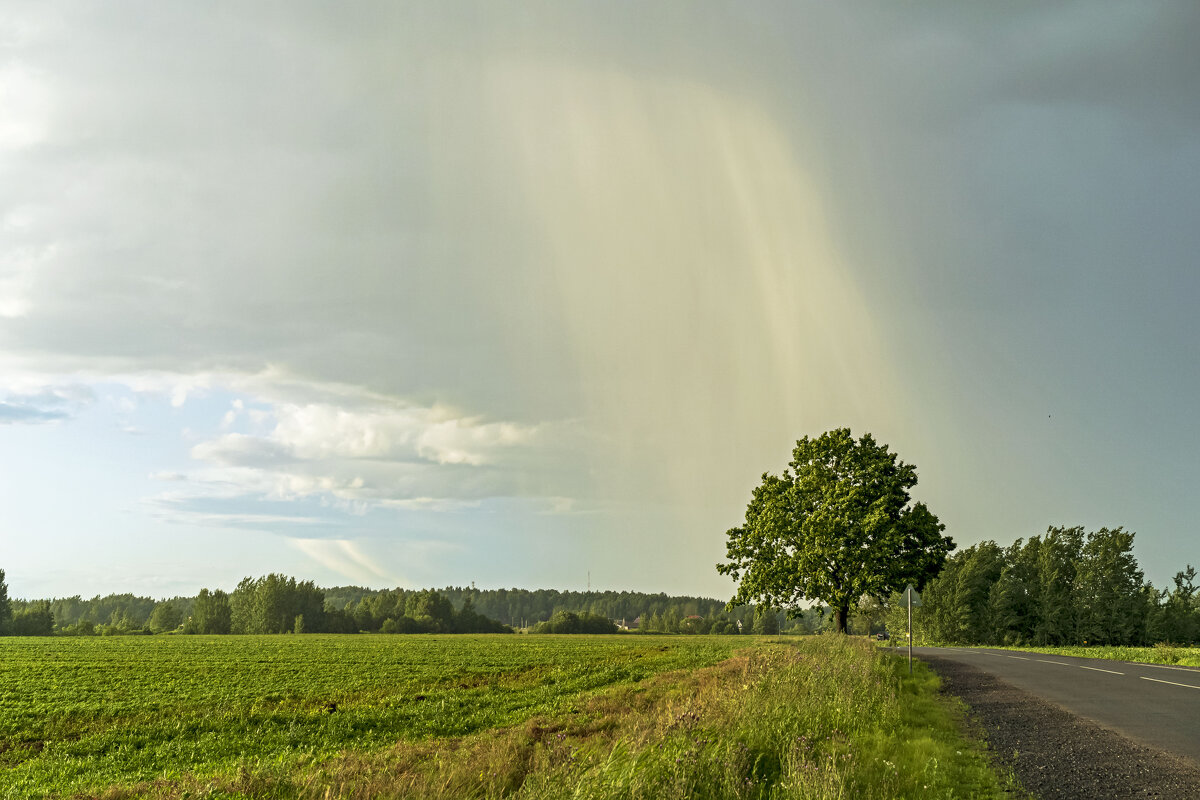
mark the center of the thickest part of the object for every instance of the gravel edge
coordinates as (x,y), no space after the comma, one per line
(1056,754)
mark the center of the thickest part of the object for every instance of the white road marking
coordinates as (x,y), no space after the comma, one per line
(1097,669)
(1023,658)
(1156,680)
(1165,666)
(1060,663)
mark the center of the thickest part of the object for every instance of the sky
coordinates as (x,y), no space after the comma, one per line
(413,294)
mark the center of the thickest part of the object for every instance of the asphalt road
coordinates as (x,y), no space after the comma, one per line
(1155,705)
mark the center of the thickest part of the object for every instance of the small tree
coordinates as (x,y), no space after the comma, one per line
(1176,617)
(1057,611)
(211,613)
(868,616)
(766,623)
(1110,587)
(957,603)
(35,619)
(166,616)
(432,610)
(5,605)
(835,526)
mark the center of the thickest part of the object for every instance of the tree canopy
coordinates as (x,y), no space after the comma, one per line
(1064,587)
(837,525)
(5,605)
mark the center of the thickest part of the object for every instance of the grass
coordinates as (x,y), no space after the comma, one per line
(82,714)
(1162,653)
(602,717)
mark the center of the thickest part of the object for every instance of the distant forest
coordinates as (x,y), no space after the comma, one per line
(281,604)
(1066,587)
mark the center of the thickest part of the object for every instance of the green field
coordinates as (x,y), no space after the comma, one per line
(472,716)
(80,713)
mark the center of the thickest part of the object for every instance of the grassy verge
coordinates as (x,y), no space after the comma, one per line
(1158,654)
(821,717)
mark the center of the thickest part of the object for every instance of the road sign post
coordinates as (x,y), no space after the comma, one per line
(913,599)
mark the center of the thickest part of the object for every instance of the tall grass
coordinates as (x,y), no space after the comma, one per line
(1161,653)
(822,717)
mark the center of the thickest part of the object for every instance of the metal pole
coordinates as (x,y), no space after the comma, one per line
(909,593)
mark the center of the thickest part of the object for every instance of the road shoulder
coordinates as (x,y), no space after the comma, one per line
(1054,753)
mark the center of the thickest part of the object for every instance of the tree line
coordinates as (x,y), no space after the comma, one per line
(269,604)
(281,604)
(543,610)
(1067,587)
(524,608)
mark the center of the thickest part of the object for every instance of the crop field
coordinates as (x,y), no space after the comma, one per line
(322,717)
(83,713)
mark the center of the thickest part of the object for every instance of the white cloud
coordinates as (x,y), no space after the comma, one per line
(18,413)
(316,431)
(31,402)
(429,504)
(467,441)
(370,453)
(18,270)
(345,557)
(27,106)
(284,439)
(241,450)
(251,521)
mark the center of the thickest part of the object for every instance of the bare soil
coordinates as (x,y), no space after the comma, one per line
(1056,754)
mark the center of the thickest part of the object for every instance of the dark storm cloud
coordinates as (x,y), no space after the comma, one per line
(697,231)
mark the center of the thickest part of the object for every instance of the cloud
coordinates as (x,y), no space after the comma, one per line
(287,439)
(51,403)
(14,413)
(447,257)
(437,504)
(315,431)
(345,557)
(18,266)
(412,313)
(346,449)
(210,506)
(365,453)
(1139,65)
(240,450)
(27,108)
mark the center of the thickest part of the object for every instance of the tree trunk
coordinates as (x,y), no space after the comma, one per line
(840,617)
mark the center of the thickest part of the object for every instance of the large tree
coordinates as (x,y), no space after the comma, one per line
(836,526)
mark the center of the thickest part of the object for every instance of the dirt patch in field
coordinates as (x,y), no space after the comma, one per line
(1055,754)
